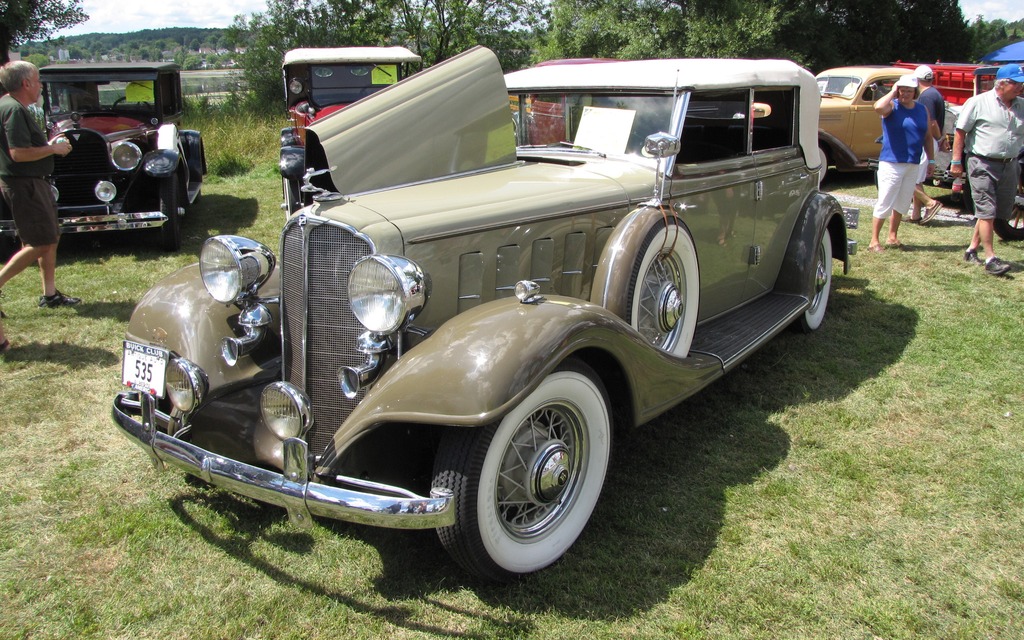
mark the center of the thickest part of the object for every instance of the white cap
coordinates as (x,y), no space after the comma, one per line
(924,72)
(907,81)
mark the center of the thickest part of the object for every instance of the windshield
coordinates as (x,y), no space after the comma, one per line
(345,83)
(95,95)
(613,124)
(845,86)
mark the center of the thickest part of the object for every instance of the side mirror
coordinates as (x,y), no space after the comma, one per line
(661,145)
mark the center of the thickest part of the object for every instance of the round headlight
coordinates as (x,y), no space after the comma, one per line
(105,191)
(386,292)
(126,155)
(56,192)
(233,266)
(295,86)
(286,410)
(186,384)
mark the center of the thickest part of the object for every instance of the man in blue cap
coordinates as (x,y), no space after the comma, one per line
(990,131)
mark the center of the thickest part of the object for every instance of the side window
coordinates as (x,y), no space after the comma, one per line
(716,127)
(877,89)
(774,118)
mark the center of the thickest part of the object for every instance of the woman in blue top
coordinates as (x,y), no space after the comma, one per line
(905,129)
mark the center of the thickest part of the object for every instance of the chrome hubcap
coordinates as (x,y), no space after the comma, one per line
(540,470)
(670,307)
(661,301)
(550,473)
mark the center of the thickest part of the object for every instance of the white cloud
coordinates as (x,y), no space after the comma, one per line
(107,16)
(992,10)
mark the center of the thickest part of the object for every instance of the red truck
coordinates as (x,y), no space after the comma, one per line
(957,81)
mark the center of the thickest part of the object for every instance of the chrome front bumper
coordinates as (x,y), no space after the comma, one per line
(102,218)
(96,219)
(373,504)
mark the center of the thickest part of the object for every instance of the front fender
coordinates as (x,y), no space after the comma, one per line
(482,363)
(293,162)
(161,163)
(178,314)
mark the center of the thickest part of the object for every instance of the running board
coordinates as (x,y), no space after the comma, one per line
(734,336)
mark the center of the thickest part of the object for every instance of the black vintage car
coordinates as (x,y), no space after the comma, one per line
(130,166)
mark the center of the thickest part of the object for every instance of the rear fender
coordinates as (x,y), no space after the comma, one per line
(797,275)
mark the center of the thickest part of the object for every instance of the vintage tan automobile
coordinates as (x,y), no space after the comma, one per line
(449,335)
(850,130)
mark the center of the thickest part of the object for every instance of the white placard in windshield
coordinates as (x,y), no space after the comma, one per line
(605,130)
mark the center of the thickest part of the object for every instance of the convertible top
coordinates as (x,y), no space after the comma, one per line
(107,67)
(667,74)
(343,55)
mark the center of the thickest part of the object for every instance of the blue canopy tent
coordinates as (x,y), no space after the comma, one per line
(1010,53)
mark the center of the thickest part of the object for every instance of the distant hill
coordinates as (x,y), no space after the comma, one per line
(191,47)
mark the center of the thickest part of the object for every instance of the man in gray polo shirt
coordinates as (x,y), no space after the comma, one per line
(990,130)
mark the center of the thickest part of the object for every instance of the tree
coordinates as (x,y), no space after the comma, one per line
(38,59)
(434,29)
(440,29)
(24,20)
(986,37)
(815,33)
(288,24)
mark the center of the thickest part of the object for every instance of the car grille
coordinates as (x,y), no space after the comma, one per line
(319,328)
(76,174)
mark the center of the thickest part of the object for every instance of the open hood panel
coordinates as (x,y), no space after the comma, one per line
(451,118)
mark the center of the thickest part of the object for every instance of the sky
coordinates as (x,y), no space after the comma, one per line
(112,16)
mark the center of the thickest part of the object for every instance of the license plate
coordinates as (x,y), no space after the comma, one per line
(144,368)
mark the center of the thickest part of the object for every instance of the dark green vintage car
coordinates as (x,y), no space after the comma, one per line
(131,164)
(447,337)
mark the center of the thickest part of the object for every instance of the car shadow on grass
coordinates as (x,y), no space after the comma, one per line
(664,503)
(251,523)
(66,354)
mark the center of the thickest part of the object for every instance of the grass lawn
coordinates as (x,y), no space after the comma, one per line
(865,481)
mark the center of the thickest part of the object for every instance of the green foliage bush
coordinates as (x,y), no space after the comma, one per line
(237,138)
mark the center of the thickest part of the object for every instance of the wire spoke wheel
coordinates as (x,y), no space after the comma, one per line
(525,487)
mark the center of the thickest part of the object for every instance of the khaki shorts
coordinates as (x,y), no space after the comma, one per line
(993,186)
(31,203)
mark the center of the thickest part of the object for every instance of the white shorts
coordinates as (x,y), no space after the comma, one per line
(896,182)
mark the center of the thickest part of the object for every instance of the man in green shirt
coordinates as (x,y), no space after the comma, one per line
(989,135)
(26,161)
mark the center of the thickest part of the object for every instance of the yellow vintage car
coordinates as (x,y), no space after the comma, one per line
(849,130)
(478,296)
